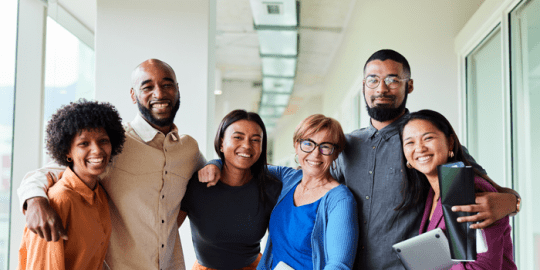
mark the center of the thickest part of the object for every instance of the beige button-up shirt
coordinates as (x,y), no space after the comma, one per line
(146,184)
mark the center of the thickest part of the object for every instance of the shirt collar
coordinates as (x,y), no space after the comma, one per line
(76,184)
(388,131)
(147,132)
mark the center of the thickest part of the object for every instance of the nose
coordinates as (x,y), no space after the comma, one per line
(246,143)
(159,92)
(382,87)
(95,148)
(420,147)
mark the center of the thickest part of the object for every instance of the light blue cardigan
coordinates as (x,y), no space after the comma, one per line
(334,238)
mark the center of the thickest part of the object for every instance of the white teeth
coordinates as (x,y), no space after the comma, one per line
(313,163)
(244,155)
(160,105)
(423,158)
(95,160)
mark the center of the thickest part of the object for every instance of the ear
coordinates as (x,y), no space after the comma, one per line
(451,143)
(133,96)
(410,85)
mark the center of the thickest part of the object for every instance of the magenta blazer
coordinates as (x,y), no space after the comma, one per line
(499,255)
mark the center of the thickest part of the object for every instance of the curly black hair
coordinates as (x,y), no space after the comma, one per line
(77,116)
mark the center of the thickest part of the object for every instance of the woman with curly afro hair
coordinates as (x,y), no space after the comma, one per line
(83,136)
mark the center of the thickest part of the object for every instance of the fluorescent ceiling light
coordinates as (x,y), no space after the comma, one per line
(281,13)
(279,85)
(275,99)
(218,92)
(282,67)
(268,111)
(278,42)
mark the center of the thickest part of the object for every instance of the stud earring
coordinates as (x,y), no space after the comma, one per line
(409,165)
(450,154)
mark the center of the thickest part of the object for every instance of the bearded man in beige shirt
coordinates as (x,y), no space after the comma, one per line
(146,182)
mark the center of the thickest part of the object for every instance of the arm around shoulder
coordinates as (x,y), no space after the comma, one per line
(35,183)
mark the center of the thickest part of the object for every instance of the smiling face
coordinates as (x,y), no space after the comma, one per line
(90,152)
(155,91)
(425,147)
(383,103)
(315,163)
(242,144)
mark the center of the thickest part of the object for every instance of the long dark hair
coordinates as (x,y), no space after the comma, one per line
(259,169)
(415,184)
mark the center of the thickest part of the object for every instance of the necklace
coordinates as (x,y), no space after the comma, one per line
(311,188)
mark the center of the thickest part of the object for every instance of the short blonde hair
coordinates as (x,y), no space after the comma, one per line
(319,122)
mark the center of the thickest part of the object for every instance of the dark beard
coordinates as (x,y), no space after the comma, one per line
(384,113)
(147,115)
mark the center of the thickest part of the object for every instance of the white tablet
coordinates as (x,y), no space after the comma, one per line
(429,250)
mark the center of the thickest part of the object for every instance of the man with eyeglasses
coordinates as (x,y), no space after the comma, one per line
(371,166)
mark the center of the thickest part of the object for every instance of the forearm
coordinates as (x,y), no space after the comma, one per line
(35,183)
(342,236)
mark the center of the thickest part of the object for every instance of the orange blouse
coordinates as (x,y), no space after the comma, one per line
(85,215)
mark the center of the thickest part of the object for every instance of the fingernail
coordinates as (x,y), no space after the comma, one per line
(459,220)
(454,208)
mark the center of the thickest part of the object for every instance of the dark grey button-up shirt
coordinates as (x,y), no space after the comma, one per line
(371,166)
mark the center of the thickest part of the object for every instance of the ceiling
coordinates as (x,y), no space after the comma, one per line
(321,27)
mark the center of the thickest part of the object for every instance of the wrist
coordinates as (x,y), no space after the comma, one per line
(33,201)
(518,206)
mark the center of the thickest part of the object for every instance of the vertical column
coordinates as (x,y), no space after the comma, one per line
(27,124)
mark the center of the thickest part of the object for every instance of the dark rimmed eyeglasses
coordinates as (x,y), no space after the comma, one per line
(391,81)
(326,148)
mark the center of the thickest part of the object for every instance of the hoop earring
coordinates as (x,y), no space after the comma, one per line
(69,159)
(409,165)
(296,159)
(450,154)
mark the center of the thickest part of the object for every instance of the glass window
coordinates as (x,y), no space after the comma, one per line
(525,74)
(485,112)
(8,15)
(69,71)
(8,32)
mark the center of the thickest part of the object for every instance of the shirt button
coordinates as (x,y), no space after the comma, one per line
(373,147)
(370,172)
(163,196)
(162,221)
(165,172)
(365,222)
(367,197)
(162,245)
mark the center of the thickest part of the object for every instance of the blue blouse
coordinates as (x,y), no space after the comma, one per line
(334,237)
(291,227)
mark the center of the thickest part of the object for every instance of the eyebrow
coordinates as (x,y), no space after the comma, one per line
(165,79)
(429,132)
(242,133)
(369,75)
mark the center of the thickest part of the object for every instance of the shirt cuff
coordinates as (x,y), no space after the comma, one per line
(216,162)
(28,194)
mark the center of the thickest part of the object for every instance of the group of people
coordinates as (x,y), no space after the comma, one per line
(351,199)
